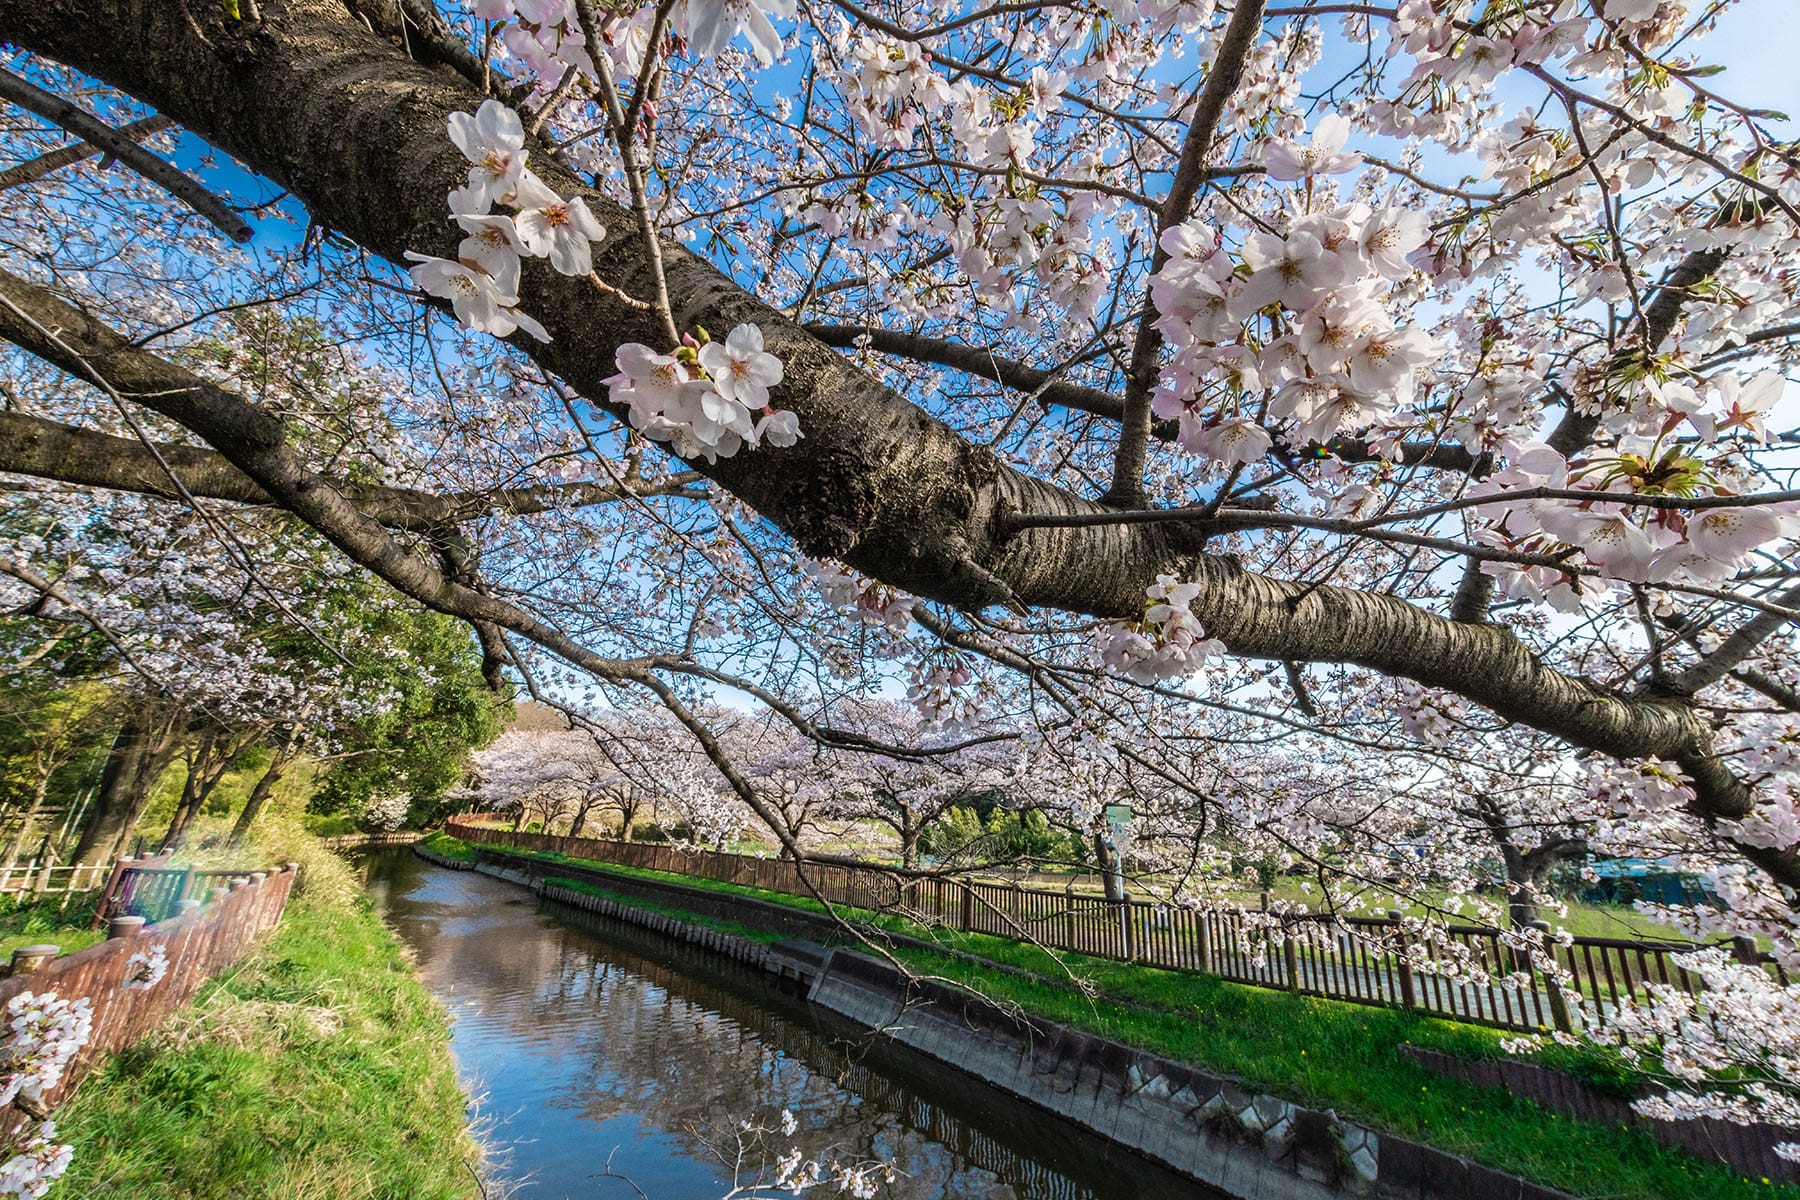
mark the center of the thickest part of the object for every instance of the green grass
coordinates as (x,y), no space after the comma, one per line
(1323,1053)
(751,932)
(317,1069)
(452,848)
(48,919)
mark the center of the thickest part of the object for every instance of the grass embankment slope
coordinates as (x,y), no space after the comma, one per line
(317,1069)
(1323,1053)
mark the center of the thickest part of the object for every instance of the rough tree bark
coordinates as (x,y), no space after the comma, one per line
(142,749)
(265,786)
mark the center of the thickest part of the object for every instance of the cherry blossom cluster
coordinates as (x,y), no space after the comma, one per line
(707,399)
(145,969)
(1167,643)
(482,281)
(869,602)
(546,37)
(386,810)
(936,690)
(1740,1026)
(797,1172)
(36,1165)
(1630,542)
(1296,313)
(1427,714)
(46,1033)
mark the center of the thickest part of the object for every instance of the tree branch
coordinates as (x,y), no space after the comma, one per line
(34,169)
(29,96)
(46,449)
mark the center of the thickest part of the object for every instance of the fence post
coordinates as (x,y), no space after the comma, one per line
(1559,1004)
(104,909)
(968,909)
(1403,965)
(1203,939)
(124,927)
(1745,950)
(1290,956)
(187,886)
(27,959)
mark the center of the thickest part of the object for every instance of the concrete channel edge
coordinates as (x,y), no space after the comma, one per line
(1209,1128)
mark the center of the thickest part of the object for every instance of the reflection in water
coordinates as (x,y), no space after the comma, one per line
(586,1041)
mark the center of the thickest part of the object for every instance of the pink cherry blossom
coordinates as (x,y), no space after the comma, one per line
(493,139)
(1323,155)
(561,230)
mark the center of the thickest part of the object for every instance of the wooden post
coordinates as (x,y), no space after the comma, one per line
(1290,955)
(1403,966)
(1203,939)
(968,909)
(124,927)
(1559,1004)
(1745,950)
(27,959)
(108,893)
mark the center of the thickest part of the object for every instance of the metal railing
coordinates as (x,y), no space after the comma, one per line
(1467,973)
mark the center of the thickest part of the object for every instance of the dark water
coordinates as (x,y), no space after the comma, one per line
(586,1041)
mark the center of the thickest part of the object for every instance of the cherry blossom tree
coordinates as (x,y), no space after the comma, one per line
(1382,386)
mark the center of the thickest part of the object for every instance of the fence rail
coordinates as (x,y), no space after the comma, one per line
(1366,960)
(41,879)
(150,889)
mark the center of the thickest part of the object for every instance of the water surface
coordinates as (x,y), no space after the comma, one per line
(591,1046)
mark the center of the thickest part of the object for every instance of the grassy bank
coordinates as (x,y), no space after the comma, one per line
(317,1069)
(58,920)
(1321,1052)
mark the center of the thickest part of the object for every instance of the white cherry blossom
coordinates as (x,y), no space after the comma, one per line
(493,139)
(1324,154)
(551,227)
(739,367)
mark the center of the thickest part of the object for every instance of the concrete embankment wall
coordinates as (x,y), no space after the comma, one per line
(1207,1127)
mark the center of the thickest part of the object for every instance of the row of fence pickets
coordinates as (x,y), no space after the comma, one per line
(1366,960)
(199,942)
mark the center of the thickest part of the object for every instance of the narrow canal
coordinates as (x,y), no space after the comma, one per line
(591,1046)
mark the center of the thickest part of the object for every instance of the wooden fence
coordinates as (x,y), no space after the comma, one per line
(198,944)
(151,889)
(1381,961)
(20,880)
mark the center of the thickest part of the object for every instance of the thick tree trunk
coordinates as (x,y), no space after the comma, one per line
(259,794)
(909,839)
(16,845)
(1106,857)
(140,753)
